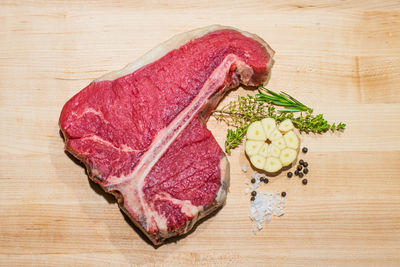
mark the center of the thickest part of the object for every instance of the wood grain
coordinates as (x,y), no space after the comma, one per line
(341,57)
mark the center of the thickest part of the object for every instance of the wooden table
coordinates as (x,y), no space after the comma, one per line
(342,58)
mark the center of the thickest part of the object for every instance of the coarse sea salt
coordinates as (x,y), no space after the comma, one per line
(265,205)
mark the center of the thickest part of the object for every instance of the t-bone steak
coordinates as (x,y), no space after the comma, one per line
(141,131)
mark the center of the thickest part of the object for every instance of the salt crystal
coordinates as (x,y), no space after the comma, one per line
(259,216)
(246,191)
(255,230)
(244,168)
(252,210)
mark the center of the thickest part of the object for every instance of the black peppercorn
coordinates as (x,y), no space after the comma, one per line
(252,198)
(301,162)
(296,172)
(305,164)
(262,179)
(301,175)
(289,174)
(305,170)
(283,194)
(266,181)
(299,167)
(304,181)
(253,181)
(254,193)
(304,150)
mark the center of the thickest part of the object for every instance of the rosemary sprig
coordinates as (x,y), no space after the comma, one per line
(283,99)
(241,113)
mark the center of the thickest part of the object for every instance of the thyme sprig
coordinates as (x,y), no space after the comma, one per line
(241,113)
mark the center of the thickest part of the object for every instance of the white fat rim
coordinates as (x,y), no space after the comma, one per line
(225,178)
(174,43)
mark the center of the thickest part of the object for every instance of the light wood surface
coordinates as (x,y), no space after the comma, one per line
(340,57)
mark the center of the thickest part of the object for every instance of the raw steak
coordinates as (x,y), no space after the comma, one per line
(141,131)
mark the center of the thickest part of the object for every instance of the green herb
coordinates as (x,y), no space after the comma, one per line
(234,138)
(241,113)
(283,99)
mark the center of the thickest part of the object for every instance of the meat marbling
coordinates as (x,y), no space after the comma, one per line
(141,131)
